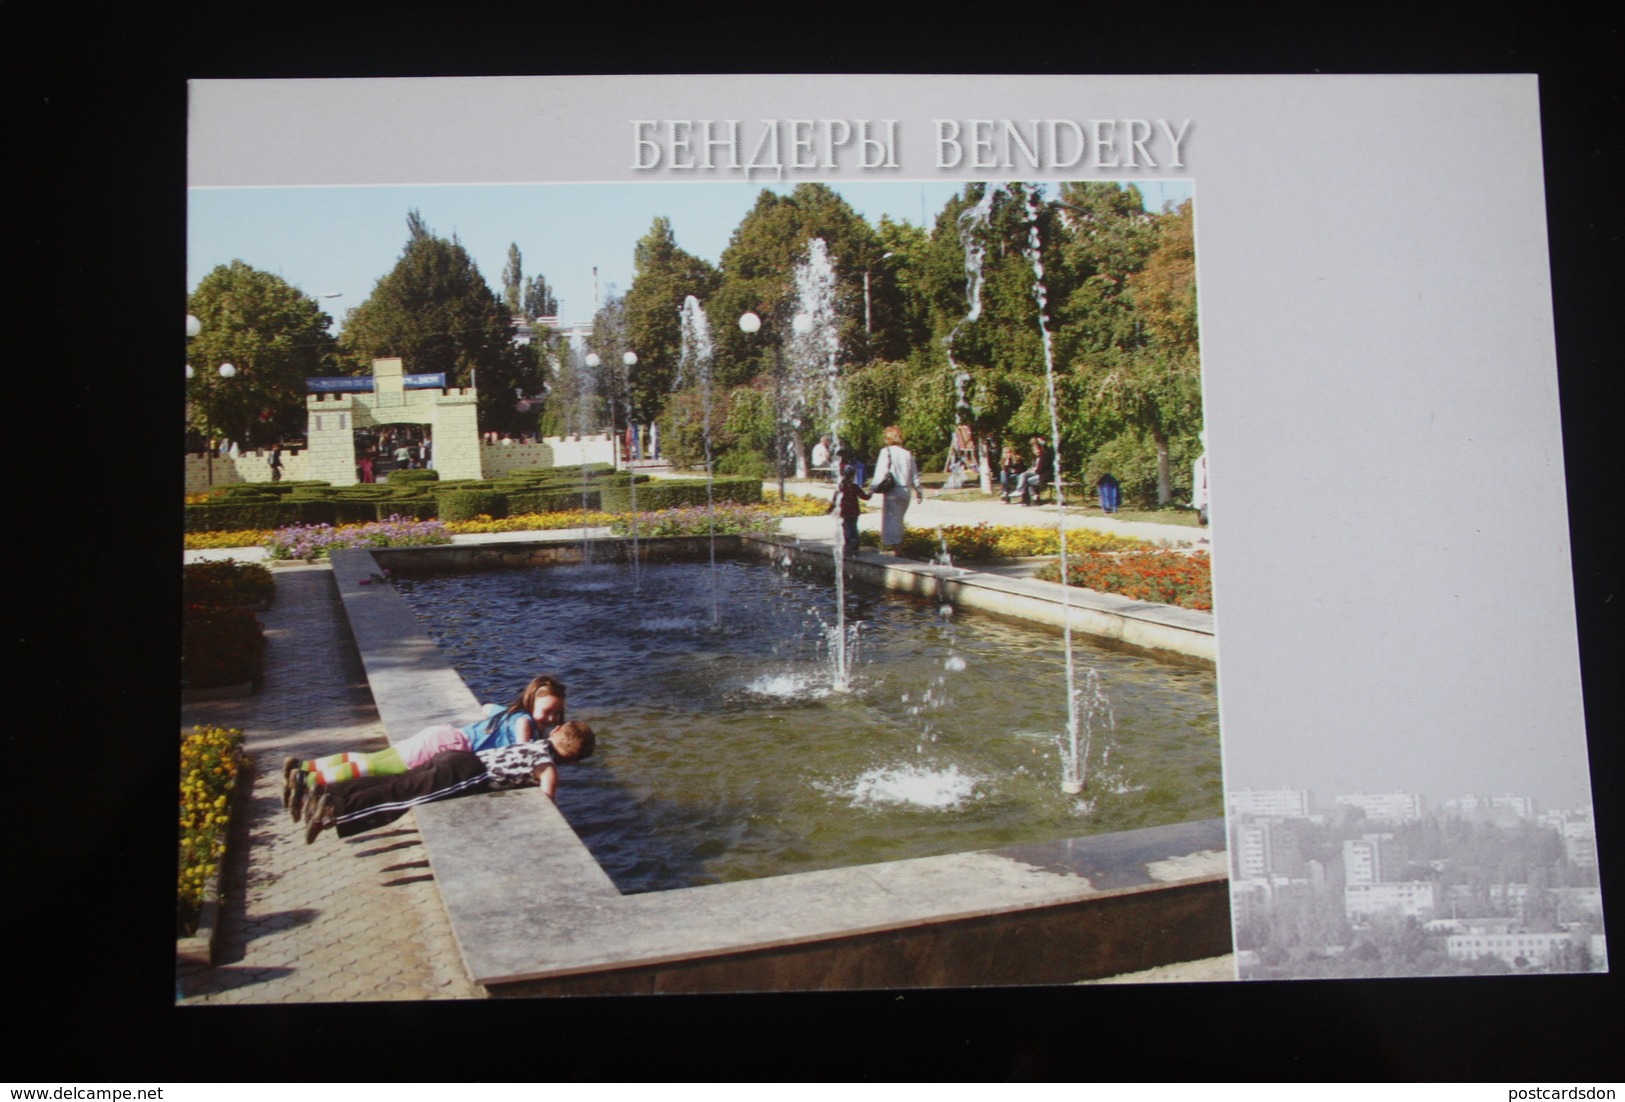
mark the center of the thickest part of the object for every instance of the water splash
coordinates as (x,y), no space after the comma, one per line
(789,686)
(970,220)
(815,348)
(913,785)
(1093,711)
(1041,297)
(978,217)
(695,370)
(583,404)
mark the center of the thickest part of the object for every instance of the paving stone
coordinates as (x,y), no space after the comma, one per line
(317,923)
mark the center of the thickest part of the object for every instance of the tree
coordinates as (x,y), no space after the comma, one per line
(758,276)
(664,275)
(435,311)
(978,263)
(1129,326)
(540,302)
(610,342)
(513,280)
(273,334)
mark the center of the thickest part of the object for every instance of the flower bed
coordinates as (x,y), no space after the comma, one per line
(1165,577)
(987,541)
(322,537)
(211,761)
(313,541)
(725,519)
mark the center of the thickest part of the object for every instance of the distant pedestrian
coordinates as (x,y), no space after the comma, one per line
(846,500)
(1109,489)
(1199,487)
(276,462)
(897,478)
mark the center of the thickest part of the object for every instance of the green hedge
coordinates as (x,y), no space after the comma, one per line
(226,584)
(425,474)
(220,646)
(674,493)
(468,504)
(553,501)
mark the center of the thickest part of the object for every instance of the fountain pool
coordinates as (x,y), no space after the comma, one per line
(726,754)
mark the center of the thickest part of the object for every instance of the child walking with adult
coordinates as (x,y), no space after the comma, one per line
(897,478)
(847,497)
(537,709)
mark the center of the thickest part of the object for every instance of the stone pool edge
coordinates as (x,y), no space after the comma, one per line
(541,917)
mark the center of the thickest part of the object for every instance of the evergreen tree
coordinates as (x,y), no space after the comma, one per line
(758,268)
(436,312)
(664,276)
(540,302)
(513,280)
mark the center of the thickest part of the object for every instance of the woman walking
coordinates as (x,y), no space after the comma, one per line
(896,477)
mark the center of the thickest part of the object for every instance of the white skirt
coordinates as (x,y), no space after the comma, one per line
(893,504)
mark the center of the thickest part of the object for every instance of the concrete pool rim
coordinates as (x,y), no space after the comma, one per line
(545,918)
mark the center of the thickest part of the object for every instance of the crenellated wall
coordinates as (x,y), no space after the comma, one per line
(551,451)
(247,467)
(452,415)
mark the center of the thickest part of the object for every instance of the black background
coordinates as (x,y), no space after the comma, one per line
(96,113)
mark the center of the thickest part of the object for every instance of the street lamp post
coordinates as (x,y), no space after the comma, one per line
(224,371)
(629,359)
(749,322)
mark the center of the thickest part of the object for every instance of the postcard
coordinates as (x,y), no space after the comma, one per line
(1274,352)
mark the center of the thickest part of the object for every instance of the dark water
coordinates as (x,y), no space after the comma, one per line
(725,754)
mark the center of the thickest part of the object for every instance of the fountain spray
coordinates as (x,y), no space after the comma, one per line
(695,369)
(816,346)
(1075,767)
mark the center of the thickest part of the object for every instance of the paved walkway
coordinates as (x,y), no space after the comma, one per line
(361,919)
(333,921)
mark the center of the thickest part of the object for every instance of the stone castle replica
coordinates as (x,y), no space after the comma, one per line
(333,419)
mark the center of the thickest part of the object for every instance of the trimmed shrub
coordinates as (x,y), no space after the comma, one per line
(220,646)
(424,474)
(468,504)
(226,584)
(238,514)
(355,510)
(676,493)
(553,501)
(416,508)
(747,463)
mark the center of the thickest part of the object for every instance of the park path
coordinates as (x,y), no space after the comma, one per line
(334,921)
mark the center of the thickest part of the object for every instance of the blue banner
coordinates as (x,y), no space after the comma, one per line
(362,384)
(345,384)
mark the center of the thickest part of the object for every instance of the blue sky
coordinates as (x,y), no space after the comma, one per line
(341,241)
